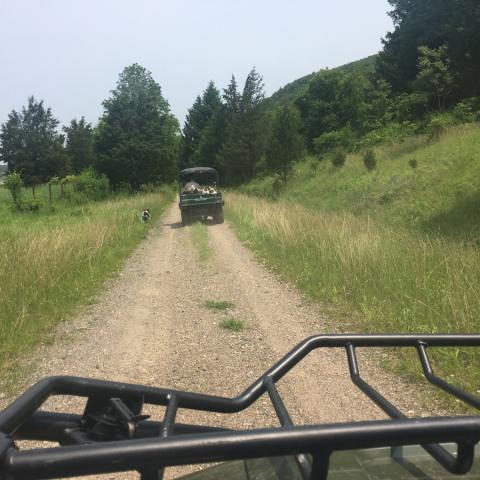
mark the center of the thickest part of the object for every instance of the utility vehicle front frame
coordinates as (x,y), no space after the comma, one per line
(113,435)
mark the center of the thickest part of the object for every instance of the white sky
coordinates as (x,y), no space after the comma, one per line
(69,52)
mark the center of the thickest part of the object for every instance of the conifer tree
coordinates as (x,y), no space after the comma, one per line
(80,145)
(31,145)
(245,129)
(285,145)
(202,130)
(137,136)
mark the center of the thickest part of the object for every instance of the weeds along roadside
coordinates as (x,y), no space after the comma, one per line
(400,282)
(55,262)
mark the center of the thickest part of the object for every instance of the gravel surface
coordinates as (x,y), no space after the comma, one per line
(150,326)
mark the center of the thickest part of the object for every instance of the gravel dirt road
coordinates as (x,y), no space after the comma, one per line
(151,326)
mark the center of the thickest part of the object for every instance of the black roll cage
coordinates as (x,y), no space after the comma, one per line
(112,435)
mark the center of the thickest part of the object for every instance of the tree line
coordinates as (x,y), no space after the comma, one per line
(425,77)
(234,132)
(429,65)
(135,142)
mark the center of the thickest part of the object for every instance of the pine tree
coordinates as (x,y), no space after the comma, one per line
(31,145)
(285,145)
(202,129)
(191,134)
(80,145)
(245,129)
(232,98)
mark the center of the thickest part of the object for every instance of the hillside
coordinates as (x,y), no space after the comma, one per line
(291,91)
(440,195)
(396,247)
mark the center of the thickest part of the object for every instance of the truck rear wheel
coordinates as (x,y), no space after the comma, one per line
(219,216)
(186,220)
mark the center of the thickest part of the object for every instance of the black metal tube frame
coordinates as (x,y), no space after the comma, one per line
(161,444)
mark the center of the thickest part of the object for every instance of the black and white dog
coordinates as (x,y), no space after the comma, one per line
(146,215)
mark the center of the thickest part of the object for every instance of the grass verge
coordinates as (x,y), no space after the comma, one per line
(401,281)
(233,324)
(51,262)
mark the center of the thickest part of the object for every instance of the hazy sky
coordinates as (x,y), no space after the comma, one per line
(69,52)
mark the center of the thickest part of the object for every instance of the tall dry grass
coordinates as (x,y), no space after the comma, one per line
(48,268)
(400,281)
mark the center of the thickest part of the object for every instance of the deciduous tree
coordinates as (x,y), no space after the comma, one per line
(435,75)
(432,23)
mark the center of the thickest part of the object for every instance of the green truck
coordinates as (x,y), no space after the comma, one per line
(200,197)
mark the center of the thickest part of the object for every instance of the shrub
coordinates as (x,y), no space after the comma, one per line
(267,187)
(338,139)
(438,124)
(314,163)
(69,179)
(123,187)
(91,185)
(370,160)
(14,184)
(339,158)
(473,104)
(463,113)
(30,205)
(389,134)
(148,188)
(413,163)
(411,106)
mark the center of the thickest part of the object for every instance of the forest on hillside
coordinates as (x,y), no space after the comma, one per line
(424,79)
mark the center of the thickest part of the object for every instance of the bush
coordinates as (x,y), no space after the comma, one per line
(370,160)
(413,163)
(389,134)
(463,113)
(339,158)
(338,139)
(314,163)
(267,187)
(123,187)
(14,184)
(148,188)
(439,123)
(411,106)
(30,205)
(91,185)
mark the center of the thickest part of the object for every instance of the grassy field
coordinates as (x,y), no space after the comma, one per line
(399,246)
(54,261)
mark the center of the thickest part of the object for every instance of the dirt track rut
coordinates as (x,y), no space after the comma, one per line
(150,326)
